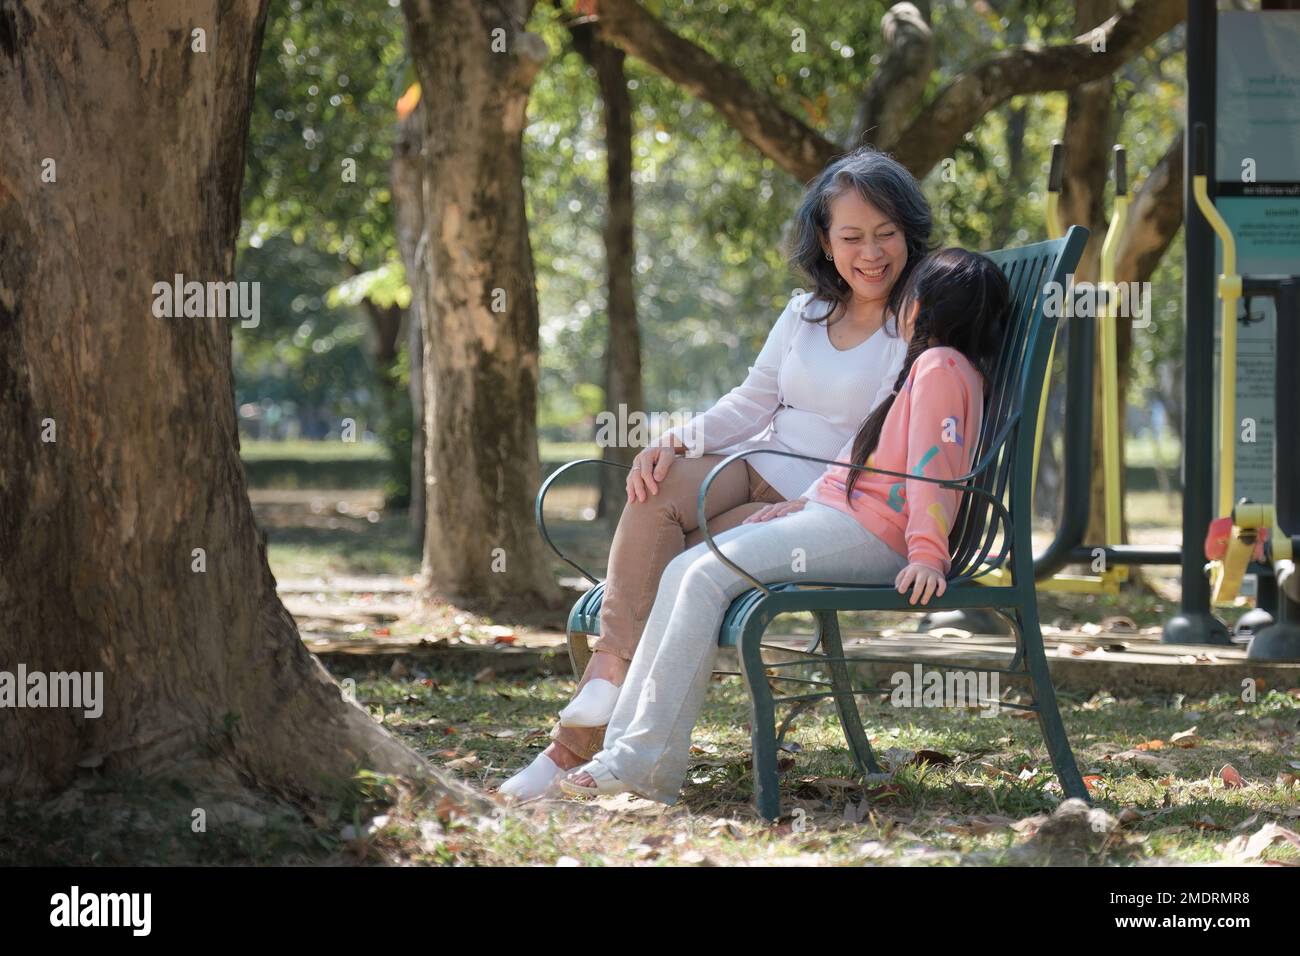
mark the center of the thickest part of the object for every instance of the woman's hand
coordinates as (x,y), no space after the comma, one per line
(650,467)
(924,581)
(777,510)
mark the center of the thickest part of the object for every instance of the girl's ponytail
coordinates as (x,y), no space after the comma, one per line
(868,436)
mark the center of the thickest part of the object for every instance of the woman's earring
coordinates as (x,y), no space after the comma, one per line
(829,256)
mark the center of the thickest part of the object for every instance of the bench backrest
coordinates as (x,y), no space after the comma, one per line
(1005,452)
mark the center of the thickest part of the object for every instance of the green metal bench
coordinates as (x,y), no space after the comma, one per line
(994,514)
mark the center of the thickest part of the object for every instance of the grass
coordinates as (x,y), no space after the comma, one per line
(251,449)
(335,532)
(982,807)
(979,807)
(980,797)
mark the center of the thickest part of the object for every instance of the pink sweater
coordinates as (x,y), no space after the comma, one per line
(930,430)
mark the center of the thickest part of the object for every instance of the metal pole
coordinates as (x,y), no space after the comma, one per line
(1194,624)
(1280,641)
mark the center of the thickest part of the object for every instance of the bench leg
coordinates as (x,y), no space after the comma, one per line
(762,720)
(579,652)
(828,626)
(1049,715)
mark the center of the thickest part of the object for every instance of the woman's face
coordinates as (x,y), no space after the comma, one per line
(869,248)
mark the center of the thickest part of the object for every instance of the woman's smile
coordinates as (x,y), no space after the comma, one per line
(872,275)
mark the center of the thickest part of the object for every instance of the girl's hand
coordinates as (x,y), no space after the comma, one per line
(924,581)
(777,510)
(650,467)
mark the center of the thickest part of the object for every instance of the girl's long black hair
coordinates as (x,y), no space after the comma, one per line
(886,184)
(965,304)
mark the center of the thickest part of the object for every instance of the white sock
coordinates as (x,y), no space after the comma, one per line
(534,781)
(593,706)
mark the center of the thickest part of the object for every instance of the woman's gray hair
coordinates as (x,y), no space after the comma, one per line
(886,184)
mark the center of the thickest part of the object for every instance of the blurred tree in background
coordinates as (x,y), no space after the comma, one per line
(317,227)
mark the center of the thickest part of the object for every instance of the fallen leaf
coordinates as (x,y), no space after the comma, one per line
(1230,777)
(1119,623)
(991,771)
(1250,848)
(982,823)
(1146,761)
(888,793)
(932,757)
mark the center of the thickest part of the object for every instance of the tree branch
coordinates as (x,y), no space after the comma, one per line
(937,130)
(803,152)
(789,142)
(896,86)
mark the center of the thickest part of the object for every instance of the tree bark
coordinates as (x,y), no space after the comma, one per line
(408,215)
(623,385)
(385,336)
(204,674)
(1154,217)
(478,301)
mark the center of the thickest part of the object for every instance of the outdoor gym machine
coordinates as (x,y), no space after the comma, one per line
(1244,535)
(1087,337)
(1247,536)
(1247,531)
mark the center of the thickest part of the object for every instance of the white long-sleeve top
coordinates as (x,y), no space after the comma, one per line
(802,395)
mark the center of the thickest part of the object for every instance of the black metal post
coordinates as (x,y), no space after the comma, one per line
(1280,641)
(1194,624)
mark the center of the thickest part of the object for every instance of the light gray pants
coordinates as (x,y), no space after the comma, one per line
(648,739)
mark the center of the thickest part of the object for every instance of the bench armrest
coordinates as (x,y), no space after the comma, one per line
(958,484)
(540,516)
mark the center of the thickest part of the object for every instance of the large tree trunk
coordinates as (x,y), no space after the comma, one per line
(623,386)
(478,302)
(204,674)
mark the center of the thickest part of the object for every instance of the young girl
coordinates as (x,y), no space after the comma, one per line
(850,525)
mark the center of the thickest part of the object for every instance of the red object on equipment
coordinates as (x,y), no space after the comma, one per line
(1220,533)
(1217,538)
